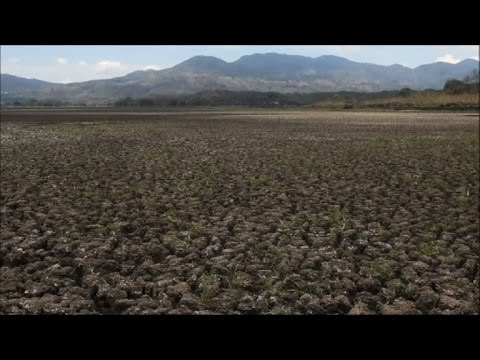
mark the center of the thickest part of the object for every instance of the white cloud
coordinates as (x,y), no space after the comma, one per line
(155,67)
(75,70)
(62,61)
(474,58)
(70,72)
(107,66)
(448,58)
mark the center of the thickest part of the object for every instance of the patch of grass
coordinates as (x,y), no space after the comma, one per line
(232,278)
(380,268)
(206,296)
(385,235)
(196,231)
(339,218)
(275,254)
(429,248)
(421,100)
(176,221)
(99,229)
(259,181)
(300,289)
(207,292)
(438,184)
(169,151)
(280,273)
(463,284)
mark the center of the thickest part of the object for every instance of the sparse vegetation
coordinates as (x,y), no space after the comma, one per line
(386,235)
(380,269)
(429,248)
(339,218)
(239,212)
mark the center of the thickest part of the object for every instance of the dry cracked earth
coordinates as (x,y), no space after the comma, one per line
(239,212)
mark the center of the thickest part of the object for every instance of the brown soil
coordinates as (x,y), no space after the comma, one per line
(239,212)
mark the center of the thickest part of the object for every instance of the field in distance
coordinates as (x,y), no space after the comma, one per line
(239,212)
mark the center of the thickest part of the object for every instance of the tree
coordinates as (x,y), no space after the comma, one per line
(145,102)
(124,102)
(405,92)
(473,77)
(454,86)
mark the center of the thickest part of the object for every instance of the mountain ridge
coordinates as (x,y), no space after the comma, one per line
(256,72)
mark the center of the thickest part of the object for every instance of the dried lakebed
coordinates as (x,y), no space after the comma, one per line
(241,212)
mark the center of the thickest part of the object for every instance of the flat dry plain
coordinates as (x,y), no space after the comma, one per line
(239,212)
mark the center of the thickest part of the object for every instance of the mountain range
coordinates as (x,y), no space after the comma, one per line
(270,72)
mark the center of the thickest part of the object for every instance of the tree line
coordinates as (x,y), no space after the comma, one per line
(468,85)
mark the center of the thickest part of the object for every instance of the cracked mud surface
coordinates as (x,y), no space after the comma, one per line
(241,212)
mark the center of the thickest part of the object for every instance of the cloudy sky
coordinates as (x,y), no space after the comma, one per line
(80,63)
